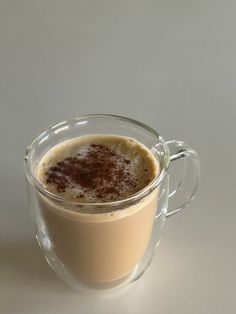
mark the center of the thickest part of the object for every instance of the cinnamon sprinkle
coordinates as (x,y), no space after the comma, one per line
(99,170)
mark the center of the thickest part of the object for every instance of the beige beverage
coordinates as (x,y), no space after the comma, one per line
(97,245)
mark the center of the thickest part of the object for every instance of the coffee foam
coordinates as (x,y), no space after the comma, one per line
(128,156)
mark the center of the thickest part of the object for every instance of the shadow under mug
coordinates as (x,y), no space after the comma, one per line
(105,246)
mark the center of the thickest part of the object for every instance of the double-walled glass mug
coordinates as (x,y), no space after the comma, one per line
(105,246)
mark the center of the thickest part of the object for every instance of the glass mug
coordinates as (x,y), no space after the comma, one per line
(105,246)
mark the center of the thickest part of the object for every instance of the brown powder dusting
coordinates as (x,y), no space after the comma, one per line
(99,170)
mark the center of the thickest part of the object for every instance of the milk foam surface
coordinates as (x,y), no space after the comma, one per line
(97,168)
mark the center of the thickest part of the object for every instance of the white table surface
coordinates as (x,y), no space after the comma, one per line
(168,63)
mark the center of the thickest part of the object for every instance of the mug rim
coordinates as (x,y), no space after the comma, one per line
(120,203)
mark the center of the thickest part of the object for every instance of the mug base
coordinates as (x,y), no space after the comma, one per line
(87,287)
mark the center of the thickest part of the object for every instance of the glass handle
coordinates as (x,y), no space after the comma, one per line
(188,183)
